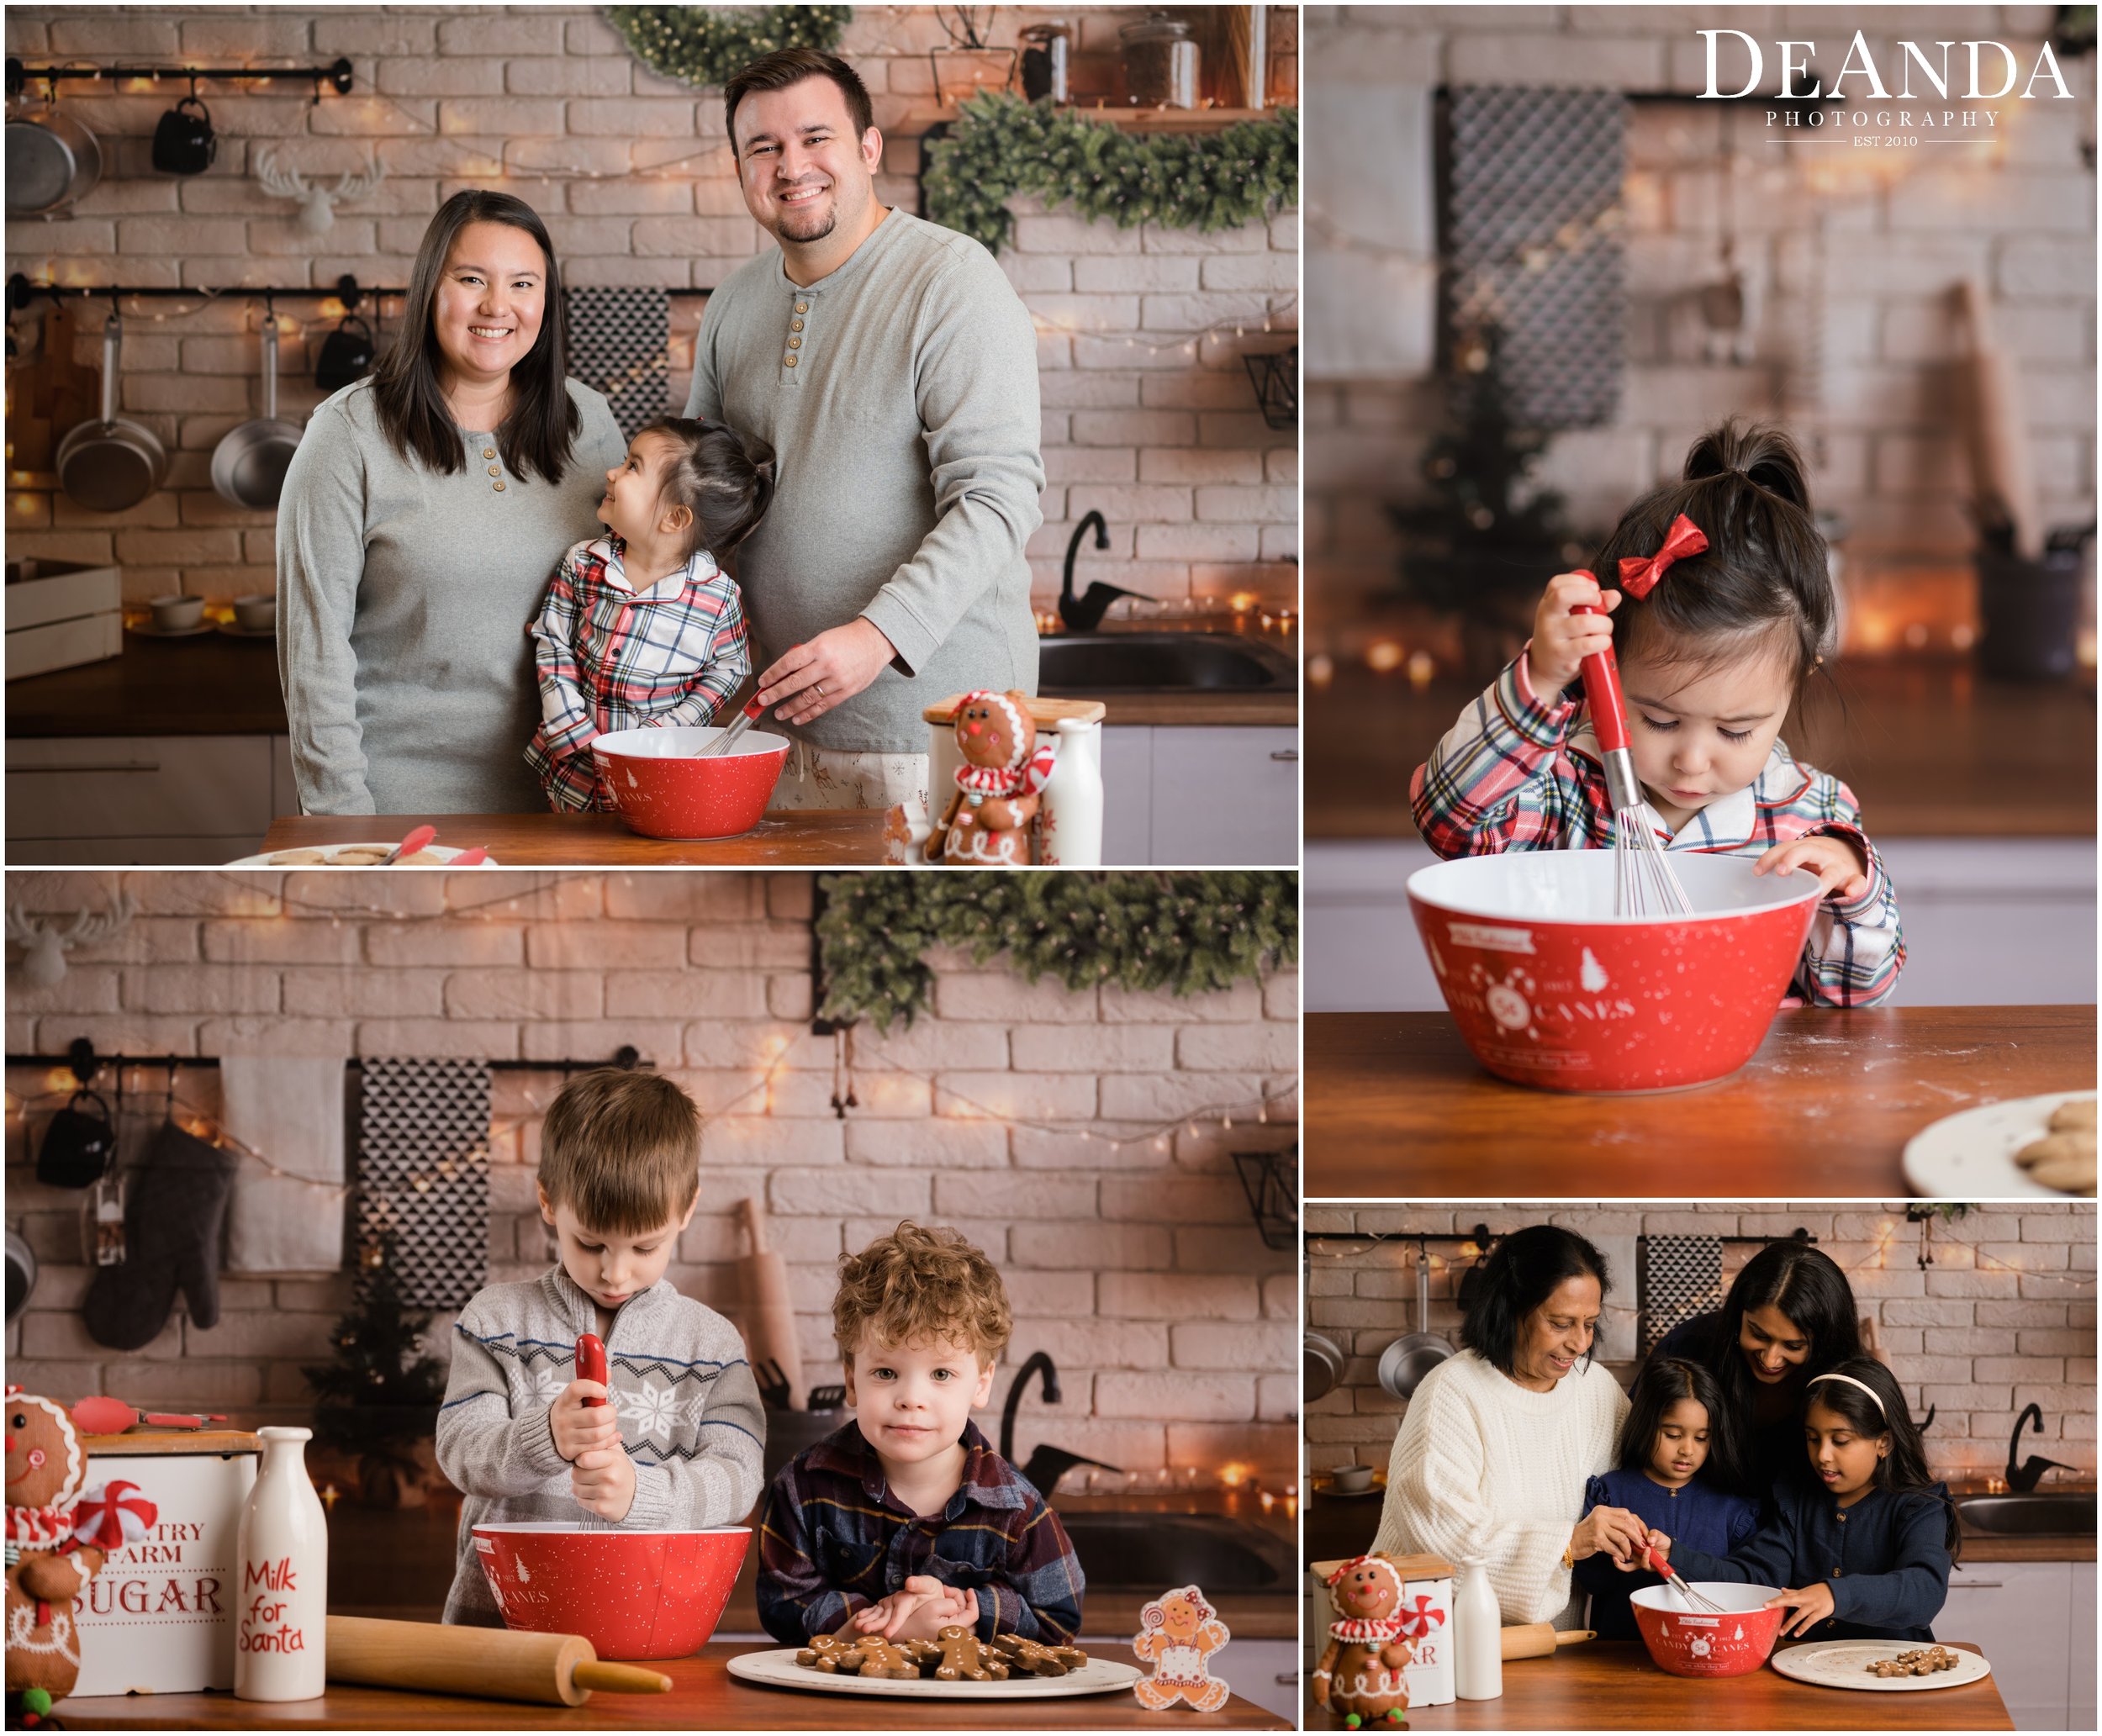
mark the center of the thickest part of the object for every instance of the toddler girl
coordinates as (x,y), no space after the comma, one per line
(1725,608)
(1868,1539)
(641,627)
(1680,1472)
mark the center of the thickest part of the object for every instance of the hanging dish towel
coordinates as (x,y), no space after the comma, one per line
(1676,1277)
(423,1174)
(287,1111)
(619,344)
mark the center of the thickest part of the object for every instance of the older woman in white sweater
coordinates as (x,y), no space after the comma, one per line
(1493,1454)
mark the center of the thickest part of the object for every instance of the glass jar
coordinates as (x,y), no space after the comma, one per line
(1046,52)
(1160,63)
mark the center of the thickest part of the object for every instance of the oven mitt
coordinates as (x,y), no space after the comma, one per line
(172,1242)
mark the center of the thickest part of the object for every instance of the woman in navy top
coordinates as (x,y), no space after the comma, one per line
(1678,1472)
(1790,1314)
(1865,1545)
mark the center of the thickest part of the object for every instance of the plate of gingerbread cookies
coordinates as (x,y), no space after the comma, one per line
(2024,1147)
(958,1665)
(1880,1667)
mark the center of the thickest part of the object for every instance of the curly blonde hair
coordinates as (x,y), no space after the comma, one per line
(917,1285)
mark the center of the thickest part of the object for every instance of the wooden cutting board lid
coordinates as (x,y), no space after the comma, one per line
(1412,1567)
(163,1442)
(1041,711)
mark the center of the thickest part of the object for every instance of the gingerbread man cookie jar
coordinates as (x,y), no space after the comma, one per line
(1359,1679)
(1005,769)
(1180,1635)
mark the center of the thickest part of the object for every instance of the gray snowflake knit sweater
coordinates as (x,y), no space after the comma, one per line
(688,1408)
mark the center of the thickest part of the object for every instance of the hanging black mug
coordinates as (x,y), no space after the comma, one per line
(346,354)
(79,1146)
(184,144)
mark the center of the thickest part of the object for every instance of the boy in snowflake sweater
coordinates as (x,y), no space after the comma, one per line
(679,1445)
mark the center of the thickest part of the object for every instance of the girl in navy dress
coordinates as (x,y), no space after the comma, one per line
(1868,1543)
(1680,1473)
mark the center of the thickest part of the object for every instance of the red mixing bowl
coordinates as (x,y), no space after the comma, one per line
(632,1594)
(1684,1640)
(1550,988)
(663,790)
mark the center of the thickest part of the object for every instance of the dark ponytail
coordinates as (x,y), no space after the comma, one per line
(722,476)
(1766,570)
(1903,1469)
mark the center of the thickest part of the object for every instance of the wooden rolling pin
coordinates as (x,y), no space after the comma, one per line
(483,1663)
(2002,475)
(1539,1640)
(768,1307)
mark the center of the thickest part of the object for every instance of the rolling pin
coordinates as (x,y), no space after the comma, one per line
(1539,1640)
(770,1309)
(483,1663)
(2002,475)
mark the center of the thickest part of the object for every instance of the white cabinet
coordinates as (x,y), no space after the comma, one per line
(2022,1615)
(1263,1670)
(1200,796)
(144,800)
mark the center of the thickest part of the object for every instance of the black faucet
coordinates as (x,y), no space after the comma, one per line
(1047,1464)
(1083,614)
(2024,1478)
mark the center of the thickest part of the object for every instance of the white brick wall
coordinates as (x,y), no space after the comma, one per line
(2020,218)
(526,99)
(1137,1267)
(2003,1317)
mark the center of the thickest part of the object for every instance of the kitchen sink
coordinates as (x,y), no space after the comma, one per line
(2041,1515)
(1148,1552)
(1090,663)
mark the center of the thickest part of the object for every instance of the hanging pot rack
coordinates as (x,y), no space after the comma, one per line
(84,1063)
(346,289)
(337,75)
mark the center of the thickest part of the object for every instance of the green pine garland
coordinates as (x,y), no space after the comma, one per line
(1000,146)
(703,45)
(1187,933)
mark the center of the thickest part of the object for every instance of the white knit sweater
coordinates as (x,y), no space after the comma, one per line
(1483,1467)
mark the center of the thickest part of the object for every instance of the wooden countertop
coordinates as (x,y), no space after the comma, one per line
(1923,744)
(703,1697)
(1204,707)
(819,837)
(1396,1104)
(1612,1685)
(207,685)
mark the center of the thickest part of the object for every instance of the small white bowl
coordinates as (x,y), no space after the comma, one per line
(256,614)
(1352,1479)
(172,615)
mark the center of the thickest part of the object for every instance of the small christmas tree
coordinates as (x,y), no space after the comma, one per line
(379,1397)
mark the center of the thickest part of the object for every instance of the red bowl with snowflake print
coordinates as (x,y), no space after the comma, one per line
(1684,1639)
(664,788)
(633,1594)
(1550,988)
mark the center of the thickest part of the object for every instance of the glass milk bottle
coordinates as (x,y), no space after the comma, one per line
(281,1605)
(1477,1624)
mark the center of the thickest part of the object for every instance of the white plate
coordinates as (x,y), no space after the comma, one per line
(235,629)
(1844,1664)
(272,858)
(779,1670)
(147,630)
(1970,1155)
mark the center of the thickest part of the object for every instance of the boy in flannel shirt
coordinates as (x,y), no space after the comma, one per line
(642,628)
(677,1447)
(906,1521)
(1726,609)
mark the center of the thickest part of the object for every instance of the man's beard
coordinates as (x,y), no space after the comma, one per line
(824,225)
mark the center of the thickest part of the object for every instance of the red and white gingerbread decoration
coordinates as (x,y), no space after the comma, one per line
(1370,1642)
(998,786)
(1180,1635)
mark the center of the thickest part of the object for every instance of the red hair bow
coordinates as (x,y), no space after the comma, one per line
(1638,577)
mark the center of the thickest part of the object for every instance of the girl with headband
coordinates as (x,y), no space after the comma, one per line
(1722,591)
(1867,1545)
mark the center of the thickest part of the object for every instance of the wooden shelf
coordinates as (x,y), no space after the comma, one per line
(923,118)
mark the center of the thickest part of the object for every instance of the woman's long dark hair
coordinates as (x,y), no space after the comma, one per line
(537,436)
(1522,1272)
(1808,1288)
(1903,1469)
(1766,570)
(1663,1381)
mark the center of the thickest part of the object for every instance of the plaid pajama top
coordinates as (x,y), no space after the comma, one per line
(611,657)
(834,1539)
(1512,774)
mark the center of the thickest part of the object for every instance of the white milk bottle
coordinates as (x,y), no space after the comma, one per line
(1477,1635)
(281,1605)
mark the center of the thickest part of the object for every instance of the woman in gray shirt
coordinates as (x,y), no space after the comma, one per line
(422,514)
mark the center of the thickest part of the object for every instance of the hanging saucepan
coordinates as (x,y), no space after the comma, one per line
(108,464)
(1323,1366)
(52,161)
(249,465)
(1405,1362)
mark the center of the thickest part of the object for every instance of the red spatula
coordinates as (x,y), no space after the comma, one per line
(112,1416)
(409,845)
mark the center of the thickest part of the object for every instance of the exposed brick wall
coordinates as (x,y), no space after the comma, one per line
(1201,496)
(1901,236)
(2003,1317)
(1139,1267)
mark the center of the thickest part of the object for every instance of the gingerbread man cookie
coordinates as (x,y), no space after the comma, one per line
(966,1658)
(863,1654)
(1031,1657)
(1181,1635)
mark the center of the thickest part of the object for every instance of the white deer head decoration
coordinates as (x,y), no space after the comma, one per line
(317,204)
(44,939)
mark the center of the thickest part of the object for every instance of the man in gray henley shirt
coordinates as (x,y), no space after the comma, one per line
(892,367)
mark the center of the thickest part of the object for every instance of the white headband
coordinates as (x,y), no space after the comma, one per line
(1851,1381)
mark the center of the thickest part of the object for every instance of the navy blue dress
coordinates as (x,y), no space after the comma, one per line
(1698,1517)
(1886,1559)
